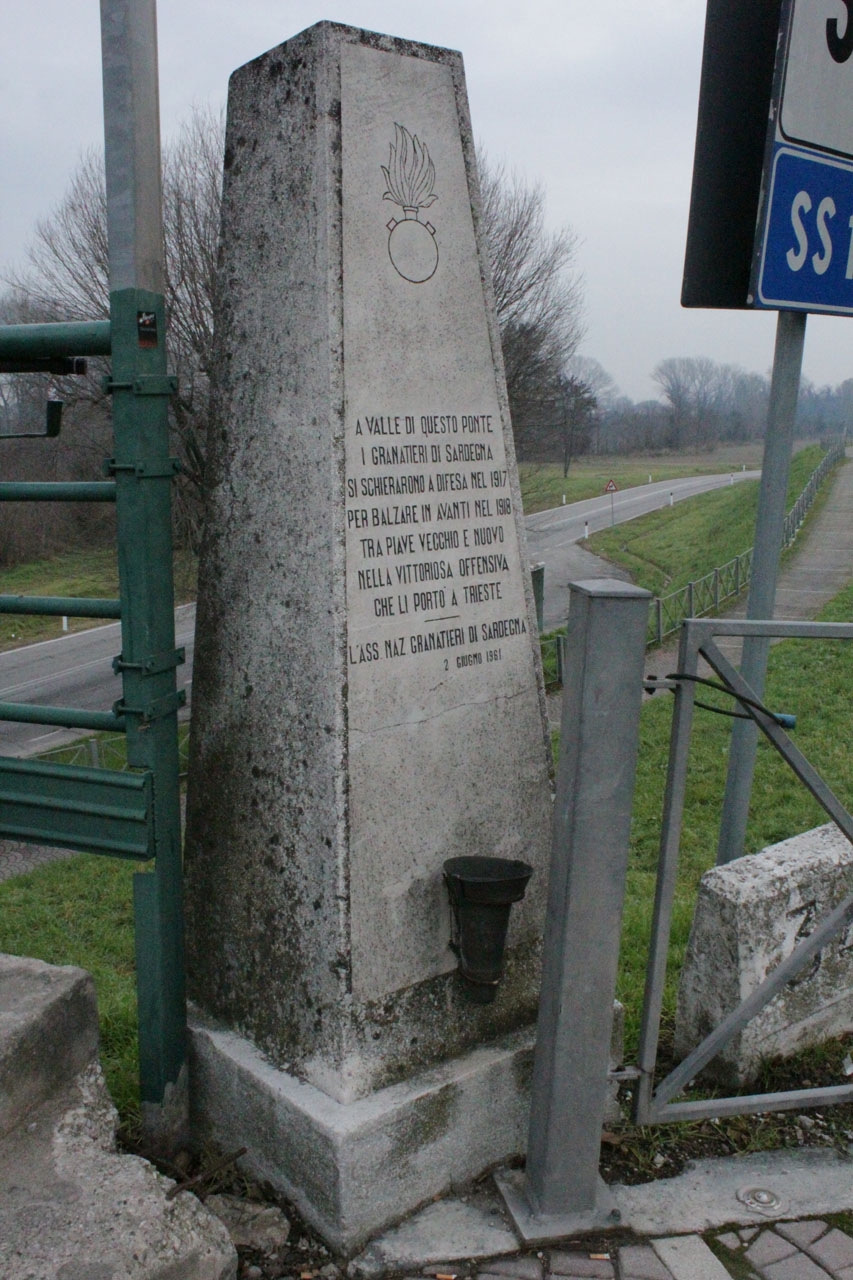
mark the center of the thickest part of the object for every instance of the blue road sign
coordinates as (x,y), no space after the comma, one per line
(805,259)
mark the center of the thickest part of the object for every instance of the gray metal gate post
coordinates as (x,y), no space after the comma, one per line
(602,694)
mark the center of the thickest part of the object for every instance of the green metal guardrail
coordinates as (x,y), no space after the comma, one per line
(134,814)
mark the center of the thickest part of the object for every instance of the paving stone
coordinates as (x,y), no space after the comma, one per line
(689,1258)
(802,1233)
(797,1267)
(833,1250)
(640,1262)
(846,1273)
(525,1266)
(769,1248)
(730,1240)
(747,1233)
(574,1265)
(490,1274)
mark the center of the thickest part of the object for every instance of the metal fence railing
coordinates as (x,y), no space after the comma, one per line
(704,595)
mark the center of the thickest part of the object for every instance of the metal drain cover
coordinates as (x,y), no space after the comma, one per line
(760,1199)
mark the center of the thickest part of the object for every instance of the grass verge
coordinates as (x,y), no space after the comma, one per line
(79,911)
(92,573)
(543,484)
(667,548)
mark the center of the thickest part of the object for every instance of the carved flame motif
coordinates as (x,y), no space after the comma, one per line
(410,175)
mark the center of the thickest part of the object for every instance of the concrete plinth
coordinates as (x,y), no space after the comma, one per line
(351,1169)
(750,915)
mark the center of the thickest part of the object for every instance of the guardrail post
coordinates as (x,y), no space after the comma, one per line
(602,694)
(537,574)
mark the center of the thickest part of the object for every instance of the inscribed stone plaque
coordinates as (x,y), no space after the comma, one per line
(440,650)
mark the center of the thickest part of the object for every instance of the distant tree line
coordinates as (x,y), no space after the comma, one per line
(538,294)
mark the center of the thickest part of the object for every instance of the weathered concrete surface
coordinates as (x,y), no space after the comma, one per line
(451,1229)
(750,914)
(353,1168)
(340,752)
(806,1183)
(71,1207)
(48,1033)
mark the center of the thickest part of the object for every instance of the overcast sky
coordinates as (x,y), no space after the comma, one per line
(596,100)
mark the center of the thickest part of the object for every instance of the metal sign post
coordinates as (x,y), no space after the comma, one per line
(771,227)
(143,473)
(772,502)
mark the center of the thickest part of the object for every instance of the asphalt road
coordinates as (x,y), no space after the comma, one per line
(76,670)
(552,535)
(72,671)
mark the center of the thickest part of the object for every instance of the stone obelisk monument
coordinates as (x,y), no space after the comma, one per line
(367,699)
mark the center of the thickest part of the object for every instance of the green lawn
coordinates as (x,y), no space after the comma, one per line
(80,911)
(667,548)
(75,573)
(810,678)
(543,484)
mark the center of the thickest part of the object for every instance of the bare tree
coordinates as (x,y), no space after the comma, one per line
(538,291)
(538,295)
(67,278)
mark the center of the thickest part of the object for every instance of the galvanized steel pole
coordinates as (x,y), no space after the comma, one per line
(132,144)
(767,552)
(143,473)
(602,695)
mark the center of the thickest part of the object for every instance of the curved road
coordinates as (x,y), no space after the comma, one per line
(552,536)
(76,670)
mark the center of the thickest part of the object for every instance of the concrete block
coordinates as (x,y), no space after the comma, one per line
(353,1168)
(572,1266)
(689,1258)
(640,1262)
(750,914)
(769,1247)
(71,1206)
(48,1032)
(451,1229)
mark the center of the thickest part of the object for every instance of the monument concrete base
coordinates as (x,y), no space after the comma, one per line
(352,1169)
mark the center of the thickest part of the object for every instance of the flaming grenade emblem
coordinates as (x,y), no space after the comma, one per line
(410,178)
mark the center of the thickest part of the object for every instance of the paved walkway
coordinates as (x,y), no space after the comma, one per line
(811,1249)
(820,564)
